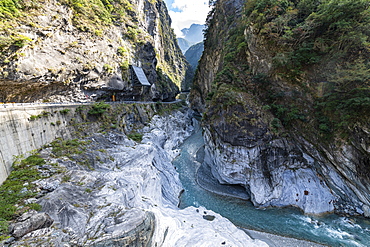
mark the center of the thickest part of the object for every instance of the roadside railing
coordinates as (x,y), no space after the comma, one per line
(14,104)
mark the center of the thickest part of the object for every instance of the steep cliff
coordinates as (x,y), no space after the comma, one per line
(283,88)
(67,50)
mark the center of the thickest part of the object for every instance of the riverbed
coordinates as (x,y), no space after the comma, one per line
(332,230)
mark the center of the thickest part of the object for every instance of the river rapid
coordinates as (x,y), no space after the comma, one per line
(332,230)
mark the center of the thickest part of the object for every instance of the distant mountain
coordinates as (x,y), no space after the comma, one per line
(192,55)
(184,44)
(194,34)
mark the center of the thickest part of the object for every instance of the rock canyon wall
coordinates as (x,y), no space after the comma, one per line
(284,105)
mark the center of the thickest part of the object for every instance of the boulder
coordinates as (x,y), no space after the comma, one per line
(116,82)
(30,221)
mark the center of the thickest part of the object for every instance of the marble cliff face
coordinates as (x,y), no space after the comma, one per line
(63,51)
(127,195)
(273,116)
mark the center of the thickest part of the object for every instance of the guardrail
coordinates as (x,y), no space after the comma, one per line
(14,104)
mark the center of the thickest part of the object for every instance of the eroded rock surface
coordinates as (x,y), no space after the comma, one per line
(82,52)
(280,134)
(275,174)
(129,196)
(29,222)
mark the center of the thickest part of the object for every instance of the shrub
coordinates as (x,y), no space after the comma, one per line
(98,108)
(33,117)
(132,33)
(9,8)
(287,114)
(42,114)
(275,123)
(138,137)
(20,40)
(121,51)
(67,147)
(4,226)
(108,68)
(65,111)
(17,188)
(324,127)
(124,65)
(66,178)
(338,110)
(5,41)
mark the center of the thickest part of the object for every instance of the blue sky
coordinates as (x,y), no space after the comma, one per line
(186,12)
(170,7)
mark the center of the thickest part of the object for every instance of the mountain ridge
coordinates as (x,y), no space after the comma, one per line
(191,36)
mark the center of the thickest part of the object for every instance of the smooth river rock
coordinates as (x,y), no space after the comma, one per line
(278,174)
(130,199)
(29,222)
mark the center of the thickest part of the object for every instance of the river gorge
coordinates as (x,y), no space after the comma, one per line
(270,147)
(105,189)
(140,184)
(331,230)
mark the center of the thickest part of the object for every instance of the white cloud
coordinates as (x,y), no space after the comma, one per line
(186,12)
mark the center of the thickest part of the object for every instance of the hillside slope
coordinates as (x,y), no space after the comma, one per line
(67,50)
(284,90)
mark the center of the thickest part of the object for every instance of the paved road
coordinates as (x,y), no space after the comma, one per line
(6,106)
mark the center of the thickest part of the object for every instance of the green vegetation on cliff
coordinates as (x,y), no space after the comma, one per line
(304,32)
(92,16)
(100,11)
(90,42)
(19,187)
(87,14)
(332,34)
(14,8)
(306,62)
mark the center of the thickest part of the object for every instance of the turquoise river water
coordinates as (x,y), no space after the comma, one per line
(332,230)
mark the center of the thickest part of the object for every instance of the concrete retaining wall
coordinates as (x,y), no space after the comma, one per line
(19,134)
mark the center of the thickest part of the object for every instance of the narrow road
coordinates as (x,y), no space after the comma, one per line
(6,106)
